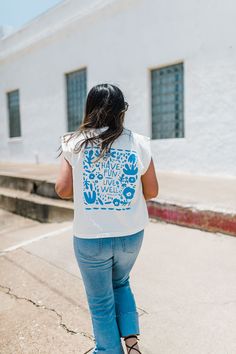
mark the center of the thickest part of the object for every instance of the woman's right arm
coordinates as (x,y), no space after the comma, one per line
(150,182)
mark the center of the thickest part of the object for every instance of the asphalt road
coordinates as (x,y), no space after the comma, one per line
(183,280)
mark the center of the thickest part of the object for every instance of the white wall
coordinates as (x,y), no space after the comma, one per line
(119,44)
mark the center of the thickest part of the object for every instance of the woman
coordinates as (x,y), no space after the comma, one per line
(109,171)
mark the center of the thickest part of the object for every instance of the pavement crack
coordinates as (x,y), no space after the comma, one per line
(63,325)
(144,312)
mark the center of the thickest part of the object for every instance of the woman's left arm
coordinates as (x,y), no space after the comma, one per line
(64,182)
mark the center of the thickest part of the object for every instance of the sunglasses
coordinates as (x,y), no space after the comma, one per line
(126,106)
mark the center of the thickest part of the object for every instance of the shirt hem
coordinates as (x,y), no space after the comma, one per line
(111,234)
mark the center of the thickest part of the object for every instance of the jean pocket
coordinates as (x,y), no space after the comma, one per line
(88,248)
(133,243)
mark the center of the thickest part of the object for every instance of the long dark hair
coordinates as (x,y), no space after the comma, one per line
(105,107)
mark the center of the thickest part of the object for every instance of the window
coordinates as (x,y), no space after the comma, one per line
(13,101)
(167,102)
(76,85)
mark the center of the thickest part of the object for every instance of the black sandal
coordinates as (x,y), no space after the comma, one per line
(132,347)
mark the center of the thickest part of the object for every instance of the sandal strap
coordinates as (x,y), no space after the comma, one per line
(133,348)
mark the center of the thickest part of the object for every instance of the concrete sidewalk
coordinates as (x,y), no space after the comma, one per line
(208,203)
(183,281)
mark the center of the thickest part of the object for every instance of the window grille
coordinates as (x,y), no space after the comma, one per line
(76,85)
(167,102)
(13,101)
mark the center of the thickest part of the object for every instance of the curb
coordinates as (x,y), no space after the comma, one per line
(207,220)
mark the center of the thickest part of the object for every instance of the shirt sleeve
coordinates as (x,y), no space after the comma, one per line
(66,148)
(146,153)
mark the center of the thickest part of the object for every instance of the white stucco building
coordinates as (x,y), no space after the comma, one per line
(132,44)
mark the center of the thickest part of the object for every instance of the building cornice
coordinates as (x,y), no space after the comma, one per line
(29,35)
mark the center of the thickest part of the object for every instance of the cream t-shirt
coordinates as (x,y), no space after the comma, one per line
(108,198)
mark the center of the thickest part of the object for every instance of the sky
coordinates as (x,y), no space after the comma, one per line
(16,13)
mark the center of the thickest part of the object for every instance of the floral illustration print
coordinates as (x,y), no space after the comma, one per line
(109,183)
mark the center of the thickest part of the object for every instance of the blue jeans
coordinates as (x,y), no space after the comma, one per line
(105,264)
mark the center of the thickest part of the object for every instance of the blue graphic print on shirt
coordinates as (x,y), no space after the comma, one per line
(109,183)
